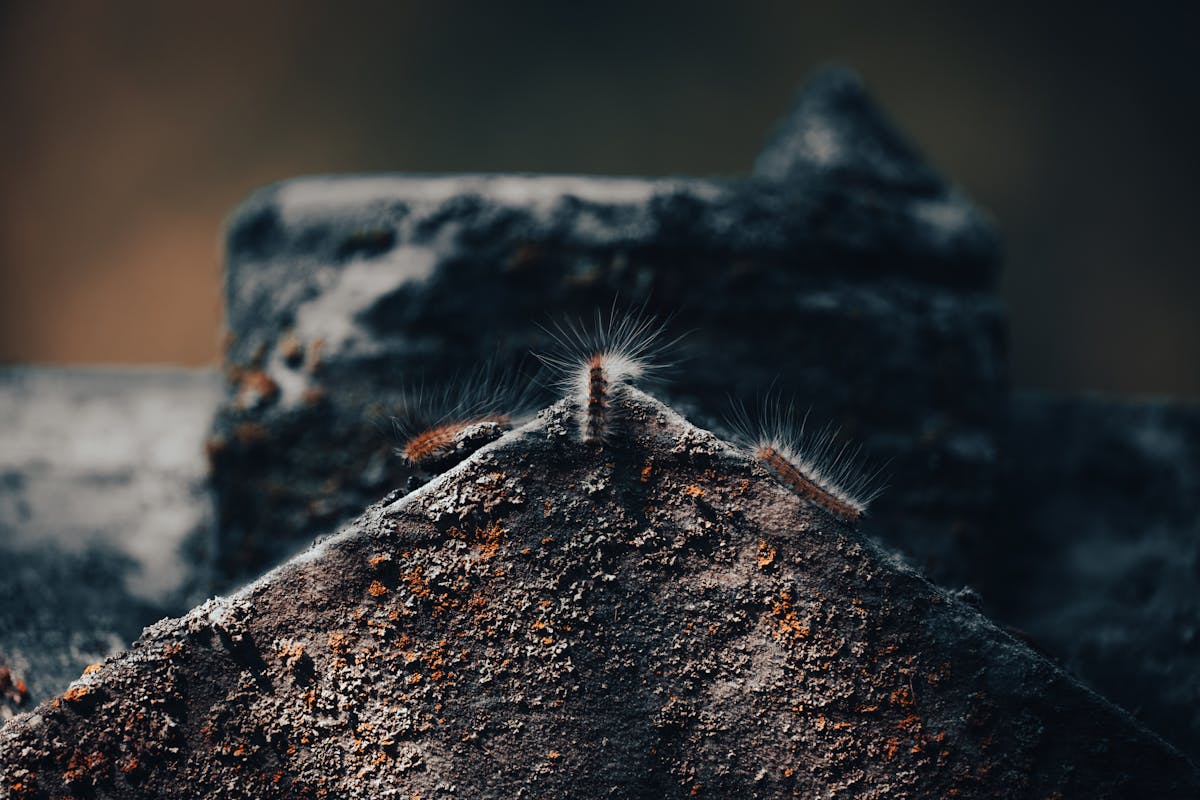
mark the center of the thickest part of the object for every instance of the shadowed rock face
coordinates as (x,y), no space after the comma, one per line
(656,618)
(1100,558)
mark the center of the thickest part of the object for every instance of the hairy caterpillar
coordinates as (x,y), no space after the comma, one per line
(816,466)
(438,428)
(595,362)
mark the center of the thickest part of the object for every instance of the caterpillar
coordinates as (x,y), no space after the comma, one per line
(433,445)
(595,362)
(818,467)
(440,427)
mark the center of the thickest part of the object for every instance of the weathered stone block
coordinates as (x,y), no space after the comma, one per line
(655,618)
(844,273)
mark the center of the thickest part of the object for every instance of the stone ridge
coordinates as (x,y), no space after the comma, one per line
(836,129)
(848,290)
(657,618)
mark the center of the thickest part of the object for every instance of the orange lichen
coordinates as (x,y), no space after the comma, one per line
(339,642)
(377,589)
(766,555)
(694,491)
(313,363)
(76,694)
(255,388)
(786,620)
(417,584)
(490,539)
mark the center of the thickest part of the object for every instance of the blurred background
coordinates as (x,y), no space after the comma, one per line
(133,129)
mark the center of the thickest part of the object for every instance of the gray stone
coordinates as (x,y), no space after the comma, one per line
(868,299)
(1097,557)
(655,618)
(106,523)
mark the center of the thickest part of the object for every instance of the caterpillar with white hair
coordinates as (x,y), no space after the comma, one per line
(816,465)
(594,364)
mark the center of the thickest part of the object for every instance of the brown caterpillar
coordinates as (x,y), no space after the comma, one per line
(434,445)
(437,429)
(597,410)
(816,467)
(596,363)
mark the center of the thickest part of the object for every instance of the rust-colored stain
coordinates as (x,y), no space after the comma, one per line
(76,694)
(312,363)
(766,555)
(786,620)
(255,388)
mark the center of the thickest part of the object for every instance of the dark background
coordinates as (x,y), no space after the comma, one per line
(131,130)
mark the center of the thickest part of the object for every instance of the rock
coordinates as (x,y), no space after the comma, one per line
(1099,561)
(657,618)
(834,130)
(863,290)
(106,522)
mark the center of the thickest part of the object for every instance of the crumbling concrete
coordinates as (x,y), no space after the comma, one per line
(655,618)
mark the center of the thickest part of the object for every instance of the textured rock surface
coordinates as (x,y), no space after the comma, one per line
(105,519)
(844,272)
(1100,558)
(659,618)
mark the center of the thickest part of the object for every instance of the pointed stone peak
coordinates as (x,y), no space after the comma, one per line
(653,616)
(837,131)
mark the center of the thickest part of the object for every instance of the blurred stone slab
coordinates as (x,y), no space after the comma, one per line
(657,618)
(861,287)
(1099,561)
(106,523)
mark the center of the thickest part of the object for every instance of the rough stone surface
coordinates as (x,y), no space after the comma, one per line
(657,618)
(859,285)
(834,130)
(1099,561)
(106,523)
